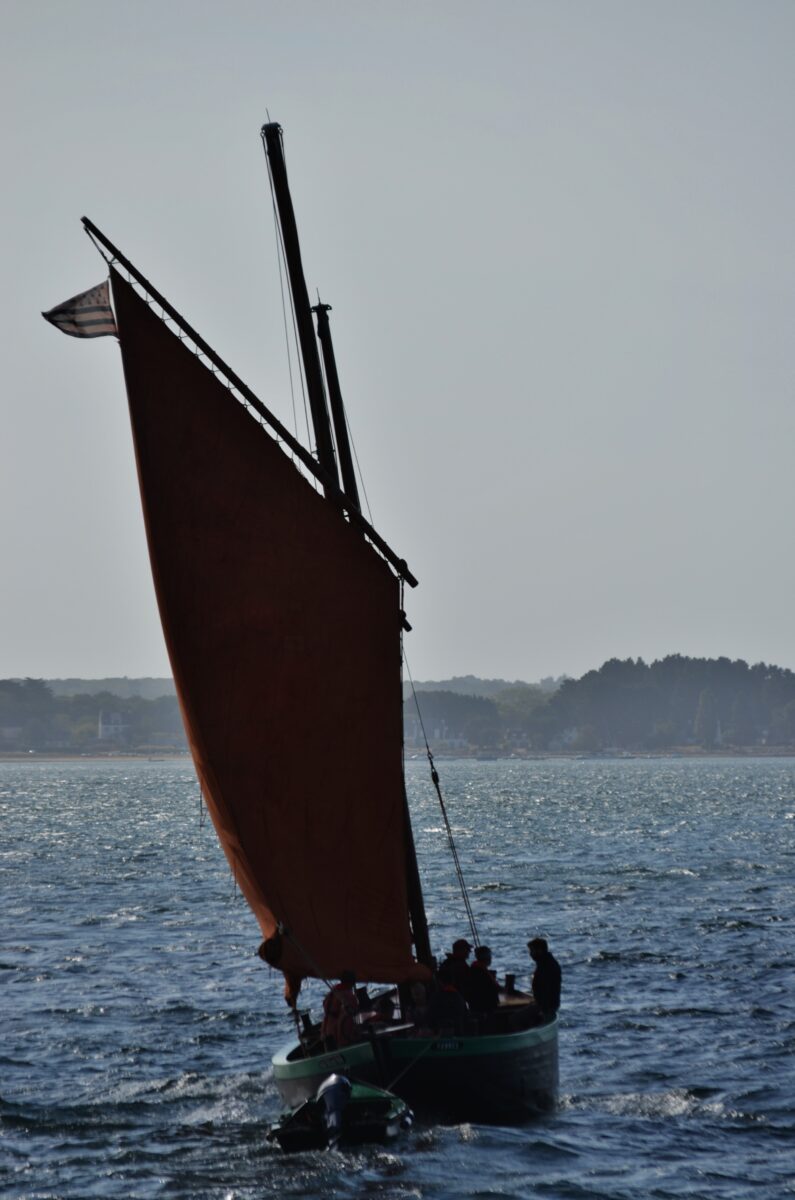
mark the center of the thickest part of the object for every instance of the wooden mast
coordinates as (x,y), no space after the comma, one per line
(272,140)
(335,402)
(417,915)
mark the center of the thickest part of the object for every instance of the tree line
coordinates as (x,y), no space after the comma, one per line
(675,702)
(672,703)
(33,717)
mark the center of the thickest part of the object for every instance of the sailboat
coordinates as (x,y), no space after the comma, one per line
(283,614)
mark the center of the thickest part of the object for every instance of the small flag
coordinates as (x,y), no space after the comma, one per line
(85,316)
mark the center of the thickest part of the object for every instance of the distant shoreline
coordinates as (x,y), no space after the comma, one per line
(22,756)
(63,756)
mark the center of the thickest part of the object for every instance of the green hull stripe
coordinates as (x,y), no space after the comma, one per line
(338,1060)
(409,1048)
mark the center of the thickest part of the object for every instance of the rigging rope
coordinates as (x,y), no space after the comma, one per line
(435,777)
(412,1062)
(361,476)
(109,259)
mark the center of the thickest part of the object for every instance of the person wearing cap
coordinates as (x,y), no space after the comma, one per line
(458,965)
(546,977)
(340,1006)
(484,994)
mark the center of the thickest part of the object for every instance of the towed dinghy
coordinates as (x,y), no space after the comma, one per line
(342,1113)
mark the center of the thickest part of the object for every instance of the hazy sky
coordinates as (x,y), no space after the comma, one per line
(558,240)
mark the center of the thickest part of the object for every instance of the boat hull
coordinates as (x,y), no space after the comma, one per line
(494,1077)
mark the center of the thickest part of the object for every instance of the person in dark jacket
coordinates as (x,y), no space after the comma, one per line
(447,1010)
(546,977)
(457,964)
(483,995)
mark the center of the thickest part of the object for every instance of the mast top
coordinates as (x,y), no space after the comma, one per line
(274,152)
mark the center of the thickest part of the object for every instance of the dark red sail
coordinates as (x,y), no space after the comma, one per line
(282,625)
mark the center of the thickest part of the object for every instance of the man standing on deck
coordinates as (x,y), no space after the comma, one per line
(484,994)
(339,1009)
(458,966)
(546,977)
(447,1011)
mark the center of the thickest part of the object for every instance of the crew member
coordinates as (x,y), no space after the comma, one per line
(457,964)
(447,1011)
(546,977)
(339,1009)
(483,995)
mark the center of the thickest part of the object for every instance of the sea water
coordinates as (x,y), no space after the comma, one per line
(138,1024)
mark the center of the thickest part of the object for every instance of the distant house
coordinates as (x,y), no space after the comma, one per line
(111,727)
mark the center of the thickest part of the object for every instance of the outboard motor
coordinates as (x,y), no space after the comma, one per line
(333,1096)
